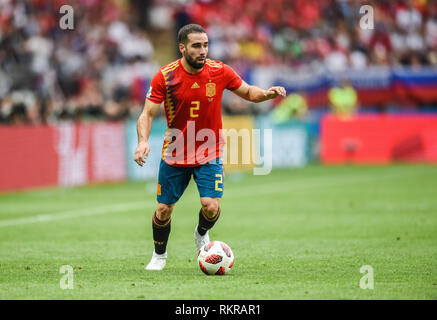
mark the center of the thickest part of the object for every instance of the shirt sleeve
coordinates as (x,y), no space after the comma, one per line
(232,79)
(156,92)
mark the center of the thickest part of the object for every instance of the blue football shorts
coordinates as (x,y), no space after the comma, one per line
(172,181)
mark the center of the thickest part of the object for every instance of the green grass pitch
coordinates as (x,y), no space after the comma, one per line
(296,234)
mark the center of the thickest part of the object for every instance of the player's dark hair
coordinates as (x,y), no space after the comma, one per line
(186,30)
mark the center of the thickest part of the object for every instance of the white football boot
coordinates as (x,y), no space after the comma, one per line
(158,261)
(200,240)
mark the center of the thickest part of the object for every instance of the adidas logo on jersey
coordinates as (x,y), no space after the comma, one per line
(195,86)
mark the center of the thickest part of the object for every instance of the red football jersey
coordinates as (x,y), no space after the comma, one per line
(192,104)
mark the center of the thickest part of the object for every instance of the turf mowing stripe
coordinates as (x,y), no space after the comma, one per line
(258,189)
(299,184)
(120,207)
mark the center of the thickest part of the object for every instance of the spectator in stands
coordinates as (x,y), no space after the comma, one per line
(294,106)
(343,99)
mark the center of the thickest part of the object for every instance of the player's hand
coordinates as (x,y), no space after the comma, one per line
(142,153)
(273,92)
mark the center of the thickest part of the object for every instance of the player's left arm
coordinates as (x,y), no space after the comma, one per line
(256,94)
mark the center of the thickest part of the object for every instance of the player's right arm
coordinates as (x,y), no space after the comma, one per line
(144,126)
(154,97)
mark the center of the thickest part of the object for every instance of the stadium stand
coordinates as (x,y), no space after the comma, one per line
(102,68)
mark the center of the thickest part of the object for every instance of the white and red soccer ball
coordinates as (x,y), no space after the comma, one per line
(215,257)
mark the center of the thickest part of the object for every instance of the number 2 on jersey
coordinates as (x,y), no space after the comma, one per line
(192,109)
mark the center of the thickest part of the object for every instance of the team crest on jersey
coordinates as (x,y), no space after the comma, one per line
(210,89)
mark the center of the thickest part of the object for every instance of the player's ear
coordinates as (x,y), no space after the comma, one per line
(181,48)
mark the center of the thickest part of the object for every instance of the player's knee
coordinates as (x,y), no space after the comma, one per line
(211,208)
(163,211)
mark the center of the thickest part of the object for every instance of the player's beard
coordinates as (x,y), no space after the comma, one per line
(193,62)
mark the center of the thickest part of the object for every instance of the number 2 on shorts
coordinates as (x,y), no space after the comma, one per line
(220,180)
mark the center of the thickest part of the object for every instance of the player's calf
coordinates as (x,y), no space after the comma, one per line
(210,207)
(161,226)
(209,214)
(164,211)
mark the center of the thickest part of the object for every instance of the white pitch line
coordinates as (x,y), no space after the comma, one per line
(253,190)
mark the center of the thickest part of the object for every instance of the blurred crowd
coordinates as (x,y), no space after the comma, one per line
(102,67)
(322,33)
(97,70)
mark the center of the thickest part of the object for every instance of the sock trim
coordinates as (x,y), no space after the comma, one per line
(211,219)
(159,223)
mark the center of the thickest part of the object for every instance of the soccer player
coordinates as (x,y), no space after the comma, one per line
(191,89)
